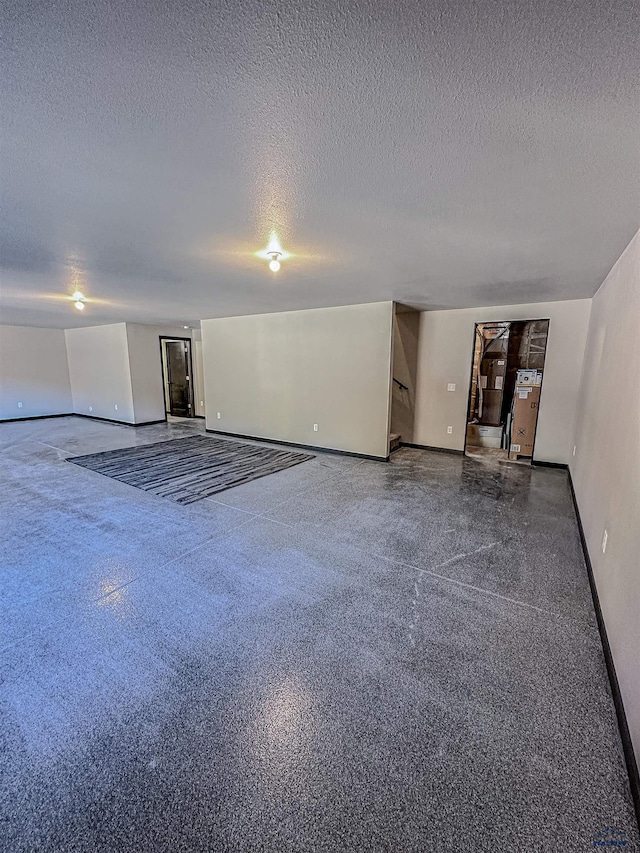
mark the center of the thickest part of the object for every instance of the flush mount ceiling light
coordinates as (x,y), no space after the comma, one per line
(78,300)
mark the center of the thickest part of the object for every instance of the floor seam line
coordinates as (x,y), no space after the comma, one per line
(52,446)
(446,578)
(479,589)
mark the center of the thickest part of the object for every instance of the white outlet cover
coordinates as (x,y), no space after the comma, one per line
(451,386)
(218,415)
(605,536)
(450,430)
(19,405)
(115,406)
(315,427)
(90,408)
(202,402)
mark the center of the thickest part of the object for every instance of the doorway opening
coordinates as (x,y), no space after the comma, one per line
(177,376)
(404,370)
(504,394)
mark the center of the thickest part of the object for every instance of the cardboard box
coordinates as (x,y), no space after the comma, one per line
(479,435)
(525,418)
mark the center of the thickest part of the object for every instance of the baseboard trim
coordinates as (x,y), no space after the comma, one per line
(625,735)
(118,423)
(35,418)
(297,444)
(429,447)
(540,464)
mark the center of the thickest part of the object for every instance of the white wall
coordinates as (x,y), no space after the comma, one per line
(34,372)
(145,363)
(99,372)
(198,370)
(445,350)
(275,375)
(88,371)
(606,468)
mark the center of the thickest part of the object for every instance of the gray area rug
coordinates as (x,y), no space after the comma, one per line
(189,469)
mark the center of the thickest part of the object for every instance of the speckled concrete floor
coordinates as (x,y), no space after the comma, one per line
(344,656)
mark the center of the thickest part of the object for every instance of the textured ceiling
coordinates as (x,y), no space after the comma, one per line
(443,154)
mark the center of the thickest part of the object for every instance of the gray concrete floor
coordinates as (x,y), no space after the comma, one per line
(344,656)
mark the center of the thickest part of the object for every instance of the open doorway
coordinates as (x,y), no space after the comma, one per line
(177,376)
(504,395)
(404,370)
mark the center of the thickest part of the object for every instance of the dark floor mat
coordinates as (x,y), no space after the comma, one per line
(190,469)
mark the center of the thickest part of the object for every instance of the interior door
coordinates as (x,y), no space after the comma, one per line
(178,378)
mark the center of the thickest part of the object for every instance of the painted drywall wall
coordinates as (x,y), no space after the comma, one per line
(606,467)
(34,372)
(99,371)
(445,351)
(406,329)
(275,375)
(145,364)
(198,370)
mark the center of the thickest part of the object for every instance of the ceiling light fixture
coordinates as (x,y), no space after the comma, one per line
(78,300)
(274,253)
(274,263)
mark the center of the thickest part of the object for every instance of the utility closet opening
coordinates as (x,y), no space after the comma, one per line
(177,376)
(504,397)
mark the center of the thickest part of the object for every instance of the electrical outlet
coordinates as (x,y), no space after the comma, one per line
(19,405)
(90,408)
(218,415)
(451,386)
(315,427)
(202,402)
(449,429)
(605,536)
(115,406)
(574,450)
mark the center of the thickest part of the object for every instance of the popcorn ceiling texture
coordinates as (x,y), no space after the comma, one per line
(442,154)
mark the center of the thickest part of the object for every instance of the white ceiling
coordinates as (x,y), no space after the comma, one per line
(443,154)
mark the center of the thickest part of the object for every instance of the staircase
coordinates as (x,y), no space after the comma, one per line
(394,442)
